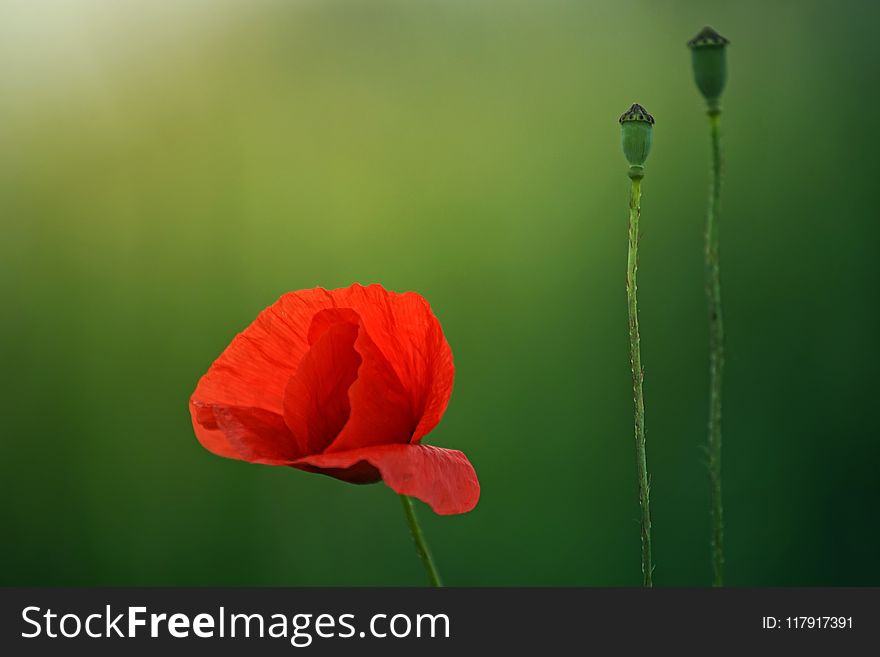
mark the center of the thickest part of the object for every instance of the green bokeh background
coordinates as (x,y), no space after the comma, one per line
(168,169)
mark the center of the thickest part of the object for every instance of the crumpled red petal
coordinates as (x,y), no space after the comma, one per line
(255,368)
(405,330)
(316,400)
(442,478)
(249,434)
(381,408)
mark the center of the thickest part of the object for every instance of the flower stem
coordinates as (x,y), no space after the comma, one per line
(419,540)
(716,347)
(632,265)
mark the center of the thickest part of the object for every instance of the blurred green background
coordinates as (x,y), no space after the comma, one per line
(168,169)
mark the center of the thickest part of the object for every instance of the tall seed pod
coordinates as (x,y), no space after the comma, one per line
(709,60)
(636,135)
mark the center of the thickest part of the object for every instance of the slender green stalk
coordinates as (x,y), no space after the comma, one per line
(632,266)
(636,136)
(709,62)
(716,347)
(419,540)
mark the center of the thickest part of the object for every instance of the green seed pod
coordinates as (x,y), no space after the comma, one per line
(709,58)
(636,134)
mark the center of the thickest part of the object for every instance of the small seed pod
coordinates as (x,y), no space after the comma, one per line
(709,58)
(636,128)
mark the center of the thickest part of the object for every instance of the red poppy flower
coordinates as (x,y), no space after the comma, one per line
(342,382)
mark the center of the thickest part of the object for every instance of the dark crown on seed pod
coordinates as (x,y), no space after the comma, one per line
(636,135)
(709,62)
(636,113)
(708,38)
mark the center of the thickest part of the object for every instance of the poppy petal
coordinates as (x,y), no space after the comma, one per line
(381,408)
(405,330)
(255,368)
(250,376)
(316,400)
(250,434)
(442,478)
(208,431)
(442,373)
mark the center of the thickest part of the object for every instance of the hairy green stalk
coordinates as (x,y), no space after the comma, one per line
(638,375)
(709,63)
(636,137)
(419,539)
(716,348)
